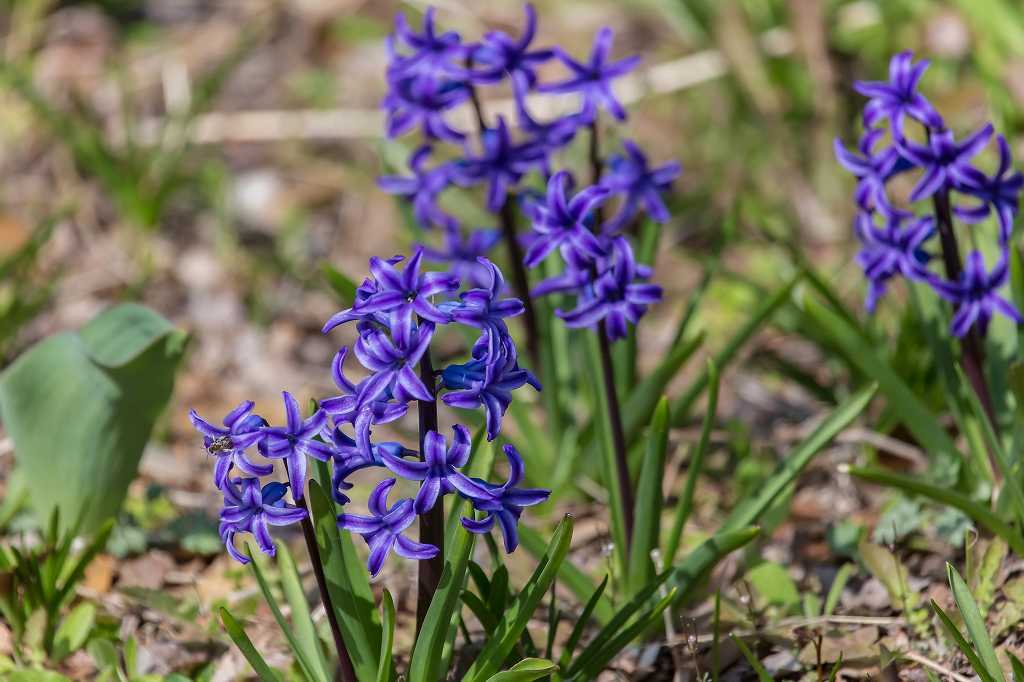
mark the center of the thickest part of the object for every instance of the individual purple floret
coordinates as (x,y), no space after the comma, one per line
(501,164)
(1001,192)
(893,249)
(872,169)
(250,508)
(500,55)
(349,457)
(551,135)
(462,254)
(393,364)
(946,163)
(631,176)
(503,503)
(898,98)
(593,80)
(560,222)
(383,529)
(295,441)
(433,56)
(241,431)
(423,102)
(422,189)
(439,469)
(976,296)
(484,308)
(617,297)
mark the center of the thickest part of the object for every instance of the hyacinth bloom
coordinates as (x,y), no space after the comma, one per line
(462,254)
(946,163)
(241,431)
(632,176)
(593,79)
(383,529)
(976,296)
(433,55)
(349,458)
(503,503)
(550,135)
(439,469)
(501,164)
(251,508)
(1001,192)
(500,55)
(484,308)
(561,222)
(393,364)
(423,102)
(893,249)
(898,98)
(872,169)
(295,441)
(422,189)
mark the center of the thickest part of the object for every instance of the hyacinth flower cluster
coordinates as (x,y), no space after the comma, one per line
(396,311)
(432,74)
(903,133)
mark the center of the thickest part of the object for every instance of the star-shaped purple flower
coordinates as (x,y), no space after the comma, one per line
(631,176)
(890,250)
(550,135)
(349,457)
(872,169)
(383,529)
(462,252)
(976,295)
(502,164)
(422,101)
(503,503)
(500,55)
(484,308)
(241,431)
(295,441)
(593,80)
(249,508)
(422,189)
(433,55)
(563,223)
(946,163)
(439,470)
(898,98)
(1001,192)
(392,364)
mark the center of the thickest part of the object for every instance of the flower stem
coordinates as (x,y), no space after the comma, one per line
(345,671)
(432,522)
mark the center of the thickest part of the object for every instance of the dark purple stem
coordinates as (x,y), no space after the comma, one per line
(431,523)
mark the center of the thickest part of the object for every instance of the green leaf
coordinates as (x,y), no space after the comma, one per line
(103,654)
(386,663)
(599,661)
(74,630)
(518,614)
(762,672)
(302,619)
(525,670)
(835,592)
(975,623)
(95,546)
(691,572)
(1018,667)
(105,385)
(647,511)
(425,665)
(578,582)
(344,288)
(944,495)
(748,513)
(774,584)
(642,399)
(245,645)
(581,624)
(695,467)
(25,675)
(968,651)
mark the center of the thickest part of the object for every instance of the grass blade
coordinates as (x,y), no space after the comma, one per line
(975,623)
(581,624)
(600,661)
(302,618)
(526,670)
(386,663)
(762,672)
(237,634)
(690,573)
(647,512)
(968,651)
(578,582)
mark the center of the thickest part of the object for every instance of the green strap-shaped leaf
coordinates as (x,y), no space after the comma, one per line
(578,582)
(581,624)
(762,672)
(965,647)
(302,619)
(526,670)
(1018,667)
(975,623)
(688,575)
(518,614)
(237,634)
(647,511)
(386,665)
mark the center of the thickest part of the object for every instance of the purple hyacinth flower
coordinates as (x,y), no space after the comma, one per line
(368,288)
(350,457)
(405,294)
(872,169)
(1001,192)
(423,101)
(484,308)
(500,55)
(383,529)
(439,469)
(618,297)
(422,189)
(503,503)
(249,508)
(898,98)
(488,381)
(946,163)
(461,254)
(551,135)
(433,55)
(501,163)
(241,431)
(890,250)
(976,294)
(295,441)
(632,176)
(562,222)
(593,80)
(392,364)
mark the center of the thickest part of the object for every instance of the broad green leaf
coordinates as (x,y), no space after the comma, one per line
(73,631)
(695,467)
(748,513)
(944,495)
(105,386)
(774,584)
(762,672)
(965,647)
(103,653)
(237,634)
(518,614)
(975,623)
(427,653)
(525,670)
(302,620)
(647,512)
(386,664)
